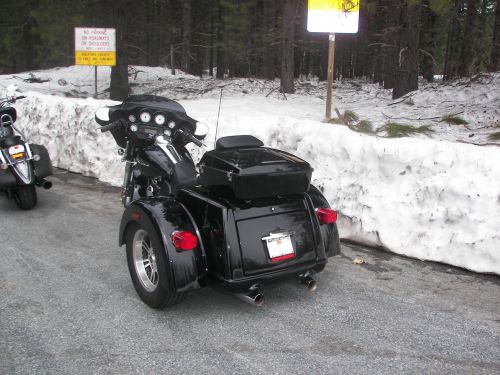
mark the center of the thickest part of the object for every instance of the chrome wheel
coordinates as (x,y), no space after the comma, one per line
(145,260)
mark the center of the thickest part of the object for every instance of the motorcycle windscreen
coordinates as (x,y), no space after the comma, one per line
(275,242)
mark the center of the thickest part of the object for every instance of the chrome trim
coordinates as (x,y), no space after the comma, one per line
(23,137)
(276,235)
(168,149)
(25,178)
(28,149)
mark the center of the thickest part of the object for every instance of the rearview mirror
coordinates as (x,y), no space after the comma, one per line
(12,87)
(102,116)
(201,130)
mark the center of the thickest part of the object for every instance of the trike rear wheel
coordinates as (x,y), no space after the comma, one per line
(147,266)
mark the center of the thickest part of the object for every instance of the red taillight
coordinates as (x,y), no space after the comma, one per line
(184,240)
(326,215)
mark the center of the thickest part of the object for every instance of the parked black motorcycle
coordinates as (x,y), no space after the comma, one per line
(248,218)
(23,165)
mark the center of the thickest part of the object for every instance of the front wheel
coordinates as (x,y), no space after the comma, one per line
(25,197)
(146,263)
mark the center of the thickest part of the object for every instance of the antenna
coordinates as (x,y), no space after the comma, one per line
(218,113)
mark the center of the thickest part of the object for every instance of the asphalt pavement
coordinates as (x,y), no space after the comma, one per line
(67,306)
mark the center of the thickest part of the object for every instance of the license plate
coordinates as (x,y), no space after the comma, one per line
(17,149)
(279,246)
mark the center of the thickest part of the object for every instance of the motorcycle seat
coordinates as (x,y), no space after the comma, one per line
(6,131)
(10,141)
(237,141)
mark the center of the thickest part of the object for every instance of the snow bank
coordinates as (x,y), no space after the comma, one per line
(426,199)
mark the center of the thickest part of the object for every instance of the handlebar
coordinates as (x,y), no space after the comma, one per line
(11,100)
(111,126)
(187,135)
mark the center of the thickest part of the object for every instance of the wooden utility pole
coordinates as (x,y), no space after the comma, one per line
(329,88)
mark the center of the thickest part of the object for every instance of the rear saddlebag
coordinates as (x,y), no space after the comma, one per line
(43,167)
(255,172)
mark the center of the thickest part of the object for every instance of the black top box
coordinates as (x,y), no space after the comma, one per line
(255,172)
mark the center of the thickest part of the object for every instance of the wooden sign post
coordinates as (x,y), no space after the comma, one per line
(332,16)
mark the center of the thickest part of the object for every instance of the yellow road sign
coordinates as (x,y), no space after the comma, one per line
(95,46)
(333,16)
(95,58)
(335,5)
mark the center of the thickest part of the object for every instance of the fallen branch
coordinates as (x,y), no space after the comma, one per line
(403,99)
(411,119)
(341,118)
(270,92)
(479,144)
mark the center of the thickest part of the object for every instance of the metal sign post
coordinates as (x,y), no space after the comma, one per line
(329,87)
(95,47)
(332,16)
(95,82)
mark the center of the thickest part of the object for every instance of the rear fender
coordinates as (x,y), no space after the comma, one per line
(329,232)
(186,269)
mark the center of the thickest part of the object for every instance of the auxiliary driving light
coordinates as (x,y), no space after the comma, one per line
(36,157)
(3,166)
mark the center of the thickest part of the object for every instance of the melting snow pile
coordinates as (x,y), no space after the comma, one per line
(433,200)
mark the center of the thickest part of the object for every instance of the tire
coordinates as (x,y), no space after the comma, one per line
(25,197)
(147,267)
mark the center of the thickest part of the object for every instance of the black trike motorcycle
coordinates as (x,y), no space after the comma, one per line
(246,217)
(23,165)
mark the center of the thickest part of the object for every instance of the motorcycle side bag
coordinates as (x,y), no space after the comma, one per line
(255,172)
(43,167)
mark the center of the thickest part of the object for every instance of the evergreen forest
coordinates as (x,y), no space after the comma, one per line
(397,41)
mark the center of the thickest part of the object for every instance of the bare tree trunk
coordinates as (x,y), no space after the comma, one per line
(495,51)
(287,48)
(392,36)
(221,61)
(186,36)
(269,23)
(172,59)
(407,70)
(428,41)
(468,56)
(119,74)
(452,47)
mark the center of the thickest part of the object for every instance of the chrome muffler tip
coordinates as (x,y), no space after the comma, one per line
(309,282)
(44,183)
(253,296)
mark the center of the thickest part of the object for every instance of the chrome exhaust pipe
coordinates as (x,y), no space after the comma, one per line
(44,183)
(309,282)
(253,296)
